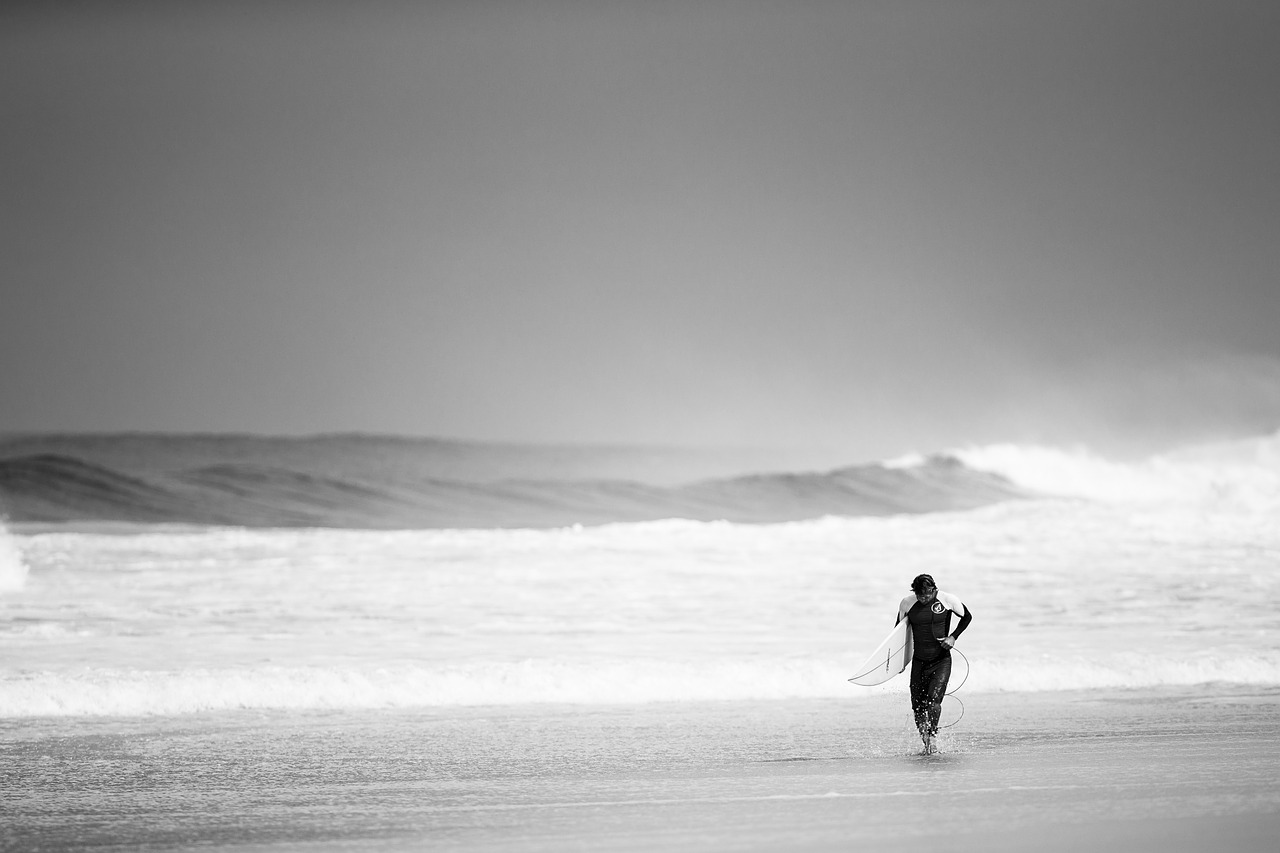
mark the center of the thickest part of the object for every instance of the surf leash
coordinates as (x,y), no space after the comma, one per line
(952,692)
(956,689)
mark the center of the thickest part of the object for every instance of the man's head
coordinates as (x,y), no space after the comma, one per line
(924,588)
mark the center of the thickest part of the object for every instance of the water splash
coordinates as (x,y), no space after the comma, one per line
(13,571)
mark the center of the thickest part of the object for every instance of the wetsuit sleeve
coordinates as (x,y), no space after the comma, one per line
(965,619)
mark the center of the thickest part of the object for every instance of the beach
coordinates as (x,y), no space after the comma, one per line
(1159,770)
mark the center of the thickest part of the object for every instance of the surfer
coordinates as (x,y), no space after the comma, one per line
(928,613)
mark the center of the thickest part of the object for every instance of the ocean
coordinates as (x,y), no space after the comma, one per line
(433,685)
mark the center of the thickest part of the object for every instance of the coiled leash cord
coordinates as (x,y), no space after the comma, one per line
(952,692)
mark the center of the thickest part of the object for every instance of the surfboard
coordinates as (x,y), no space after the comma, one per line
(890,657)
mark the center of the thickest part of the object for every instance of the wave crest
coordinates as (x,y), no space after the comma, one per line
(53,488)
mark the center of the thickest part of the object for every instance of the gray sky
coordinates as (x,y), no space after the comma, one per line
(867,227)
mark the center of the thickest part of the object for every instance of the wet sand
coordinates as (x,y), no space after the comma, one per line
(1171,770)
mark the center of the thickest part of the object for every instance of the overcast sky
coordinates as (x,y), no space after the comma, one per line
(871,227)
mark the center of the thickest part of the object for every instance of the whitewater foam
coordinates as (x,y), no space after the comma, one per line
(13,571)
(126,692)
(1243,473)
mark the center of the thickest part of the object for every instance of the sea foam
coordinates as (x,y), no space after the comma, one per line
(123,692)
(13,571)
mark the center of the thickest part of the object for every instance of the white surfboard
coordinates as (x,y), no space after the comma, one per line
(890,657)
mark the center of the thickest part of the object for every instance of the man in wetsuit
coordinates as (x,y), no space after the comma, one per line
(928,611)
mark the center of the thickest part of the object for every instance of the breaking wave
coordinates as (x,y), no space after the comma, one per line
(1243,473)
(368,483)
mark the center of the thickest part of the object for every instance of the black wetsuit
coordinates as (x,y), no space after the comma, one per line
(931,661)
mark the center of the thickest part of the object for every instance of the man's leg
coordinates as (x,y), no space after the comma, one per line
(936,688)
(920,698)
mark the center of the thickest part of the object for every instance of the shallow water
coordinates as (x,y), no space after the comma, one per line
(705,776)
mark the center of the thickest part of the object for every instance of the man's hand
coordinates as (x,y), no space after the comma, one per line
(948,642)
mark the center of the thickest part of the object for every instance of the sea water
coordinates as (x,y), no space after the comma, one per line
(1165,574)
(523,689)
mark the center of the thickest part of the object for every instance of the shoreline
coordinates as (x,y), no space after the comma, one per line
(1122,768)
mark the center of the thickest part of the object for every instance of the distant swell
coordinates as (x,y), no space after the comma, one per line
(48,487)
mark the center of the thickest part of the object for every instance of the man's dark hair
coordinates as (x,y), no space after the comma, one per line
(922,582)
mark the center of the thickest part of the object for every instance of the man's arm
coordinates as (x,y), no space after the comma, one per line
(965,619)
